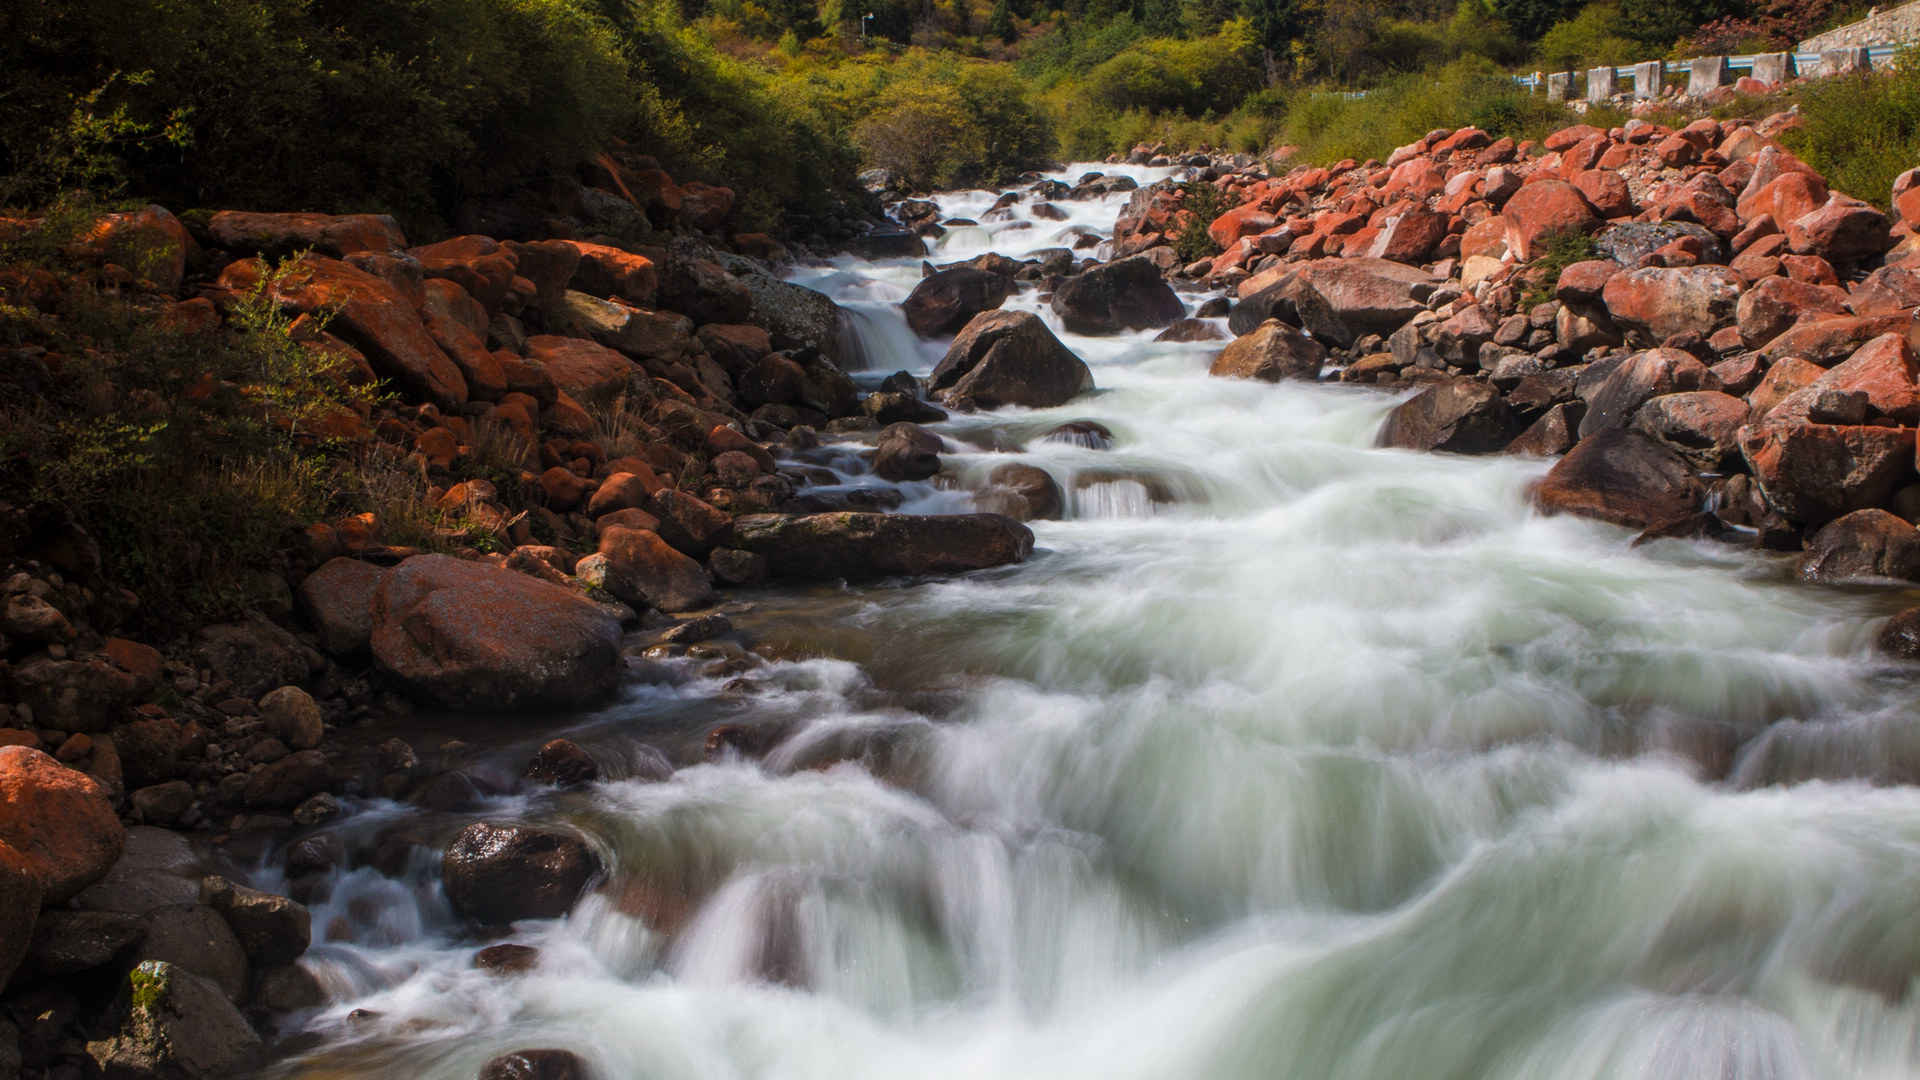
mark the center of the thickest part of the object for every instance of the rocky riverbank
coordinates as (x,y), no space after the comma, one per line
(614,430)
(609,426)
(1718,344)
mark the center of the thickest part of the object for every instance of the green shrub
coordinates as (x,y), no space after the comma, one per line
(1594,37)
(1200,204)
(1861,131)
(190,459)
(1558,251)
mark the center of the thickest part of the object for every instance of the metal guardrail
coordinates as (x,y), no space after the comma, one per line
(1877,55)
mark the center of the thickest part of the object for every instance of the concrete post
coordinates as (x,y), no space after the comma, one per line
(1600,84)
(1842,61)
(1559,85)
(1646,79)
(1705,73)
(1773,68)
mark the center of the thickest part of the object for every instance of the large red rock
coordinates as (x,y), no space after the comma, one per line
(337,600)
(1409,237)
(1832,339)
(1246,219)
(60,821)
(1788,196)
(369,314)
(1364,295)
(150,243)
(1843,231)
(1774,304)
(467,635)
(1702,426)
(1605,190)
(610,273)
(1274,351)
(1621,476)
(478,263)
(1636,380)
(280,234)
(1462,416)
(581,369)
(458,325)
(1883,369)
(1542,209)
(648,572)
(1813,473)
(1655,303)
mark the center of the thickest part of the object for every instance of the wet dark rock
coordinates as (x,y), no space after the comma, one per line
(1900,637)
(68,942)
(906,452)
(1128,294)
(535,1065)
(1462,416)
(944,302)
(892,407)
(1008,358)
(495,874)
(507,959)
(273,930)
(193,937)
(1191,330)
(562,763)
(1036,488)
(1090,434)
(857,546)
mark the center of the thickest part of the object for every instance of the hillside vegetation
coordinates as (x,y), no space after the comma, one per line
(414,107)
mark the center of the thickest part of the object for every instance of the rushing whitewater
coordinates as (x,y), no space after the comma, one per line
(1284,756)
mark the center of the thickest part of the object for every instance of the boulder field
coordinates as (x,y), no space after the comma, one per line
(598,413)
(1717,342)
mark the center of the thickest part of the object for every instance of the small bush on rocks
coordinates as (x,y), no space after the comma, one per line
(1862,130)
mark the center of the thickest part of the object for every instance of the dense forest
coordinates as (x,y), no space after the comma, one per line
(412,106)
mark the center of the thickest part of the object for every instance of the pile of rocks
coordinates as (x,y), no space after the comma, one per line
(1718,343)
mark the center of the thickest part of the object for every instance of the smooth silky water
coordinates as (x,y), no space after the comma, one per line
(1283,756)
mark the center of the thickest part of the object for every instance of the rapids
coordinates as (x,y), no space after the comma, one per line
(1284,756)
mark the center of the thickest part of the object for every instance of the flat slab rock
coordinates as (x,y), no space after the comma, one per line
(857,546)
(466,635)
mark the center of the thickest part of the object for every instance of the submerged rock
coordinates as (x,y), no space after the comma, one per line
(498,874)
(857,546)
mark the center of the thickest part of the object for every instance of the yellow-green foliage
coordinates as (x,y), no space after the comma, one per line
(1594,37)
(935,120)
(1330,126)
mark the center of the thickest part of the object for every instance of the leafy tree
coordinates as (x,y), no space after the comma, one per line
(1000,22)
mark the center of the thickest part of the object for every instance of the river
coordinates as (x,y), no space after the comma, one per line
(1283,756)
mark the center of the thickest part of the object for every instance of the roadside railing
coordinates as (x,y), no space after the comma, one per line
(1708,73)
